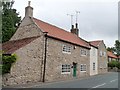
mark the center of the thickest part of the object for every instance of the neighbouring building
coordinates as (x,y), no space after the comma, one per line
(93,60)
(102,56)
(112,57)
(48,53)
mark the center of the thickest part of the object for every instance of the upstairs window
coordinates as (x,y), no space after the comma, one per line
(66,49)
(83,52)
(101,53)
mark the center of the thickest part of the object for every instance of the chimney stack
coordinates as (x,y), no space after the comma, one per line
(29,10)
(75,30)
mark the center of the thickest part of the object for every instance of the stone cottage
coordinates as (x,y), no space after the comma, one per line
(102,56)
(48,53)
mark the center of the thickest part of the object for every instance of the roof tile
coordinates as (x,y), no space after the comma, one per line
(11,46)
(61,34)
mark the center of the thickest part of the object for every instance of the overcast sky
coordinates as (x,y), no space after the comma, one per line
(98,19)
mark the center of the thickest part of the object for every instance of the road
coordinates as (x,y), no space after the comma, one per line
(108,80)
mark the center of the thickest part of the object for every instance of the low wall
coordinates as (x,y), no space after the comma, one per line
(113,69)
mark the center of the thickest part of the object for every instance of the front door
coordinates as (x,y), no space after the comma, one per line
(74,69)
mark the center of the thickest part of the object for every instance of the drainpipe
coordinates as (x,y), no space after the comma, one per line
(45,33)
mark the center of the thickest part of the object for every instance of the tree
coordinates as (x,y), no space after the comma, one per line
(10,20)
(117,47)
(111,49)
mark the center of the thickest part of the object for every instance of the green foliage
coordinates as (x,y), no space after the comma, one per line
(116,48)
(113,64)
(118,65)
(10,20)
(111,49)
(7,62)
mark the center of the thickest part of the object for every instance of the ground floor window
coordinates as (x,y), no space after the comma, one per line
(93,66)
(83,67)
(66,69)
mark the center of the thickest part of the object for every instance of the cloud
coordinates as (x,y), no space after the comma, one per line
(98,19)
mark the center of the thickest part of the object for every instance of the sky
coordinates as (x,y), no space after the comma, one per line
(97,20)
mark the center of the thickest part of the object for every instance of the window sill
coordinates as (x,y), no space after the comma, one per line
(65,73)
(66,52)
(82,71)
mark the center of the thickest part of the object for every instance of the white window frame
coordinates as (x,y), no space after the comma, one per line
(101,53)
(83,68)
(94,65)
(66,49)
(83,52)
(65,69)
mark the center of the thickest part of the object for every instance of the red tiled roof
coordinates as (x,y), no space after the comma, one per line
(110,54)
(95,43)
(61,34)
(11,46)
(118,56)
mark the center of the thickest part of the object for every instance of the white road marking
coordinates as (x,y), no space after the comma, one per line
(114,80)
(99,85)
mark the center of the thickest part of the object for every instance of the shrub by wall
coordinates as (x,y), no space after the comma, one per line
(7,62)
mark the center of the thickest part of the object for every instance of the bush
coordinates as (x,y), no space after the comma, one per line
(118,65)
(113,64)
(7,62)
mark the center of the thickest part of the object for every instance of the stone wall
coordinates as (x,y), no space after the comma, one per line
(102,60)
(55,59)
(26,29)
(28,67)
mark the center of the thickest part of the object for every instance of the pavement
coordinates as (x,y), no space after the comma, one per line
(107,80)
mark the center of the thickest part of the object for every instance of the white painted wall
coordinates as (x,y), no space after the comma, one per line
(93,59)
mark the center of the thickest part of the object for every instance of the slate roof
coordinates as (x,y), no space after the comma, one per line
(60,34)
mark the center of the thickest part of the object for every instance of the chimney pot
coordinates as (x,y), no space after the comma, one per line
(29,2)
(29,10)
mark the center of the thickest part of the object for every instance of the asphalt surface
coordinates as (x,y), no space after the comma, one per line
(108,80)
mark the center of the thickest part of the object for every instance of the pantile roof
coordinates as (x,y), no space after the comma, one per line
(110,54)
(11,46)
(61,34)
(95,43)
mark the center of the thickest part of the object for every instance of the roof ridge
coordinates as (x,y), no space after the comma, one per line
(60,33)
(96,41)
(54,26)
(61,29)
